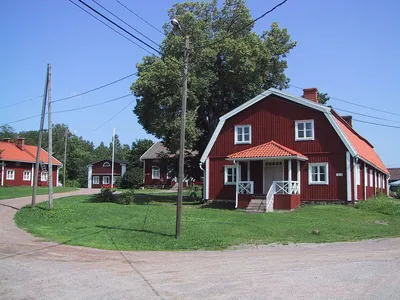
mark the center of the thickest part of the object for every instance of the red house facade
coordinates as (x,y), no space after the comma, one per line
(287,150)
(17,162)
(100,172)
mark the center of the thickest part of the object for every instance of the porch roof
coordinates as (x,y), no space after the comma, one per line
(270,150)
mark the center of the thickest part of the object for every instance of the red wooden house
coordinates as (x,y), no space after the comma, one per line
(100,172)
(17,162)
(281,150)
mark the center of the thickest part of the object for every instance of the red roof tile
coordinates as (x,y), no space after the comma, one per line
(271,149)
(363,148)
(12,153)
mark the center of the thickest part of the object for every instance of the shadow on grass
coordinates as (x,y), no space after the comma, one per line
(141,199)
(135,230)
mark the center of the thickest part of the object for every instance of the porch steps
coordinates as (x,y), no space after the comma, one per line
(256,205)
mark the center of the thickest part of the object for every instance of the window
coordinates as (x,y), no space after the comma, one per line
(10,175)
(376,180)
(44,176)
(155,172)
(304,130)
(358,174)
(96,179)
(379,181)
(243,134)
(27,175)
(106,164)
(371,178)
(318,173)
(106,179)
(230,175)
(383,181)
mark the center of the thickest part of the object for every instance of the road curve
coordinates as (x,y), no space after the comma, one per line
(34,269)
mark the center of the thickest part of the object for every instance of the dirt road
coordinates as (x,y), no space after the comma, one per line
(33,269)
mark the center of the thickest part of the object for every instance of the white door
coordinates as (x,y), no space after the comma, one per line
(273,171)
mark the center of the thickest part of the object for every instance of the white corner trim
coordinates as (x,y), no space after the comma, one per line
(32,173)
(212,140)
(140,158)
(207,194)
(89,176)
(348,176)
(355,178)
(2,174)
(365,180)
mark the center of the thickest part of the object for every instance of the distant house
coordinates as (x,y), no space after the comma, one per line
(279,150)
(18,160)
(100,172)
(394,174)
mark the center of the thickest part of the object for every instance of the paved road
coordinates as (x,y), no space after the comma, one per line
(33,269)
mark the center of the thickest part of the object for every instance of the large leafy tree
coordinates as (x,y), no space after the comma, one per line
(229,64)
(139,147)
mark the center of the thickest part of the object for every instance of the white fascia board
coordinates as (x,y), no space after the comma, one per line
(212,140)
(268,158)
(368,162)
(140,158)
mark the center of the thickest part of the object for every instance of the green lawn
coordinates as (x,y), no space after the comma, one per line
(23,191)
(142,226)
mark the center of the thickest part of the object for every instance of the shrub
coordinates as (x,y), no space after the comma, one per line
(383,205)
(109,195)
(72,183)
(133,178)
(125,198)
(105,195)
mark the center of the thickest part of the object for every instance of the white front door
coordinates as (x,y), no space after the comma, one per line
(273,171)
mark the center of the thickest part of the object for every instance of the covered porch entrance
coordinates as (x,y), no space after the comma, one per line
(268,177)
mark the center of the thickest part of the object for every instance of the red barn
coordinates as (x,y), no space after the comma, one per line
(18,161)
(99,172)
(278,150)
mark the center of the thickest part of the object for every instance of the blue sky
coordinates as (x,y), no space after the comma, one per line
(348,49)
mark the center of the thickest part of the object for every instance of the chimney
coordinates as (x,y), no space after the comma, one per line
(348,119)
(7,140)
(20,143)
(311,94)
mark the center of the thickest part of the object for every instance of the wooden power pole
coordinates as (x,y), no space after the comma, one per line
(50,165)
(39,147)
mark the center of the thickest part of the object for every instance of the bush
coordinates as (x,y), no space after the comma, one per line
(133,178)
(72,183)
(125,198)
(383,205)
(109,195)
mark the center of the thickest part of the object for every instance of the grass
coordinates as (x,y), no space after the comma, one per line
(150,224)
(23,191)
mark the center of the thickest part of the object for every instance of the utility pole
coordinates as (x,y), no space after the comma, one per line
(65,155)
(181,169)
(50,169)
(39,147)
(112,160)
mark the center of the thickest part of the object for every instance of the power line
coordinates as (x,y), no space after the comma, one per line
(365,115)
(377,124)
(113,116)
(134,29)
(95,89)
(125,37)
(72,109)
(127,8)
(123,29)
(355,104)
(18,103)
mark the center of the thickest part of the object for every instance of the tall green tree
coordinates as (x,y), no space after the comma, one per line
(323,98)
(229,64)
(139,147)
(102,152)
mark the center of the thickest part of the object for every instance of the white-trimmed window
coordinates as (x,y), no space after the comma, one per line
(318,173)
(44,176)
(106,164)
(358,174)
(243,134)
(27,175)
(155,172)
(106,179)
(230,175)
(96,179)
(371,178)
(304,130)
(10,174)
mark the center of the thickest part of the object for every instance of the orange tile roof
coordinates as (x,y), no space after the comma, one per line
(270,149)
(12,153)
(363,148)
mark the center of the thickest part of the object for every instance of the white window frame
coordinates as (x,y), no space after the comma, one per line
(322,164)
(155,176)
(26,178)
(106,164)
(108,180)
(96,180)
(226,173)
(10,174)
(236,134)
(44,176)
(296,131)
(371,178)
(358,174)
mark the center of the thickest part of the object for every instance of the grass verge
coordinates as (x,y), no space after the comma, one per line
(23,191)
(150,224)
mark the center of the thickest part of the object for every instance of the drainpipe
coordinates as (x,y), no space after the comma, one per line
(237,184)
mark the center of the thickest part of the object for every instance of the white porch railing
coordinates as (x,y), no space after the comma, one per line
(281,188)
(246,187)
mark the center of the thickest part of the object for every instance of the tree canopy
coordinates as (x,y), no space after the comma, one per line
(229,64)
